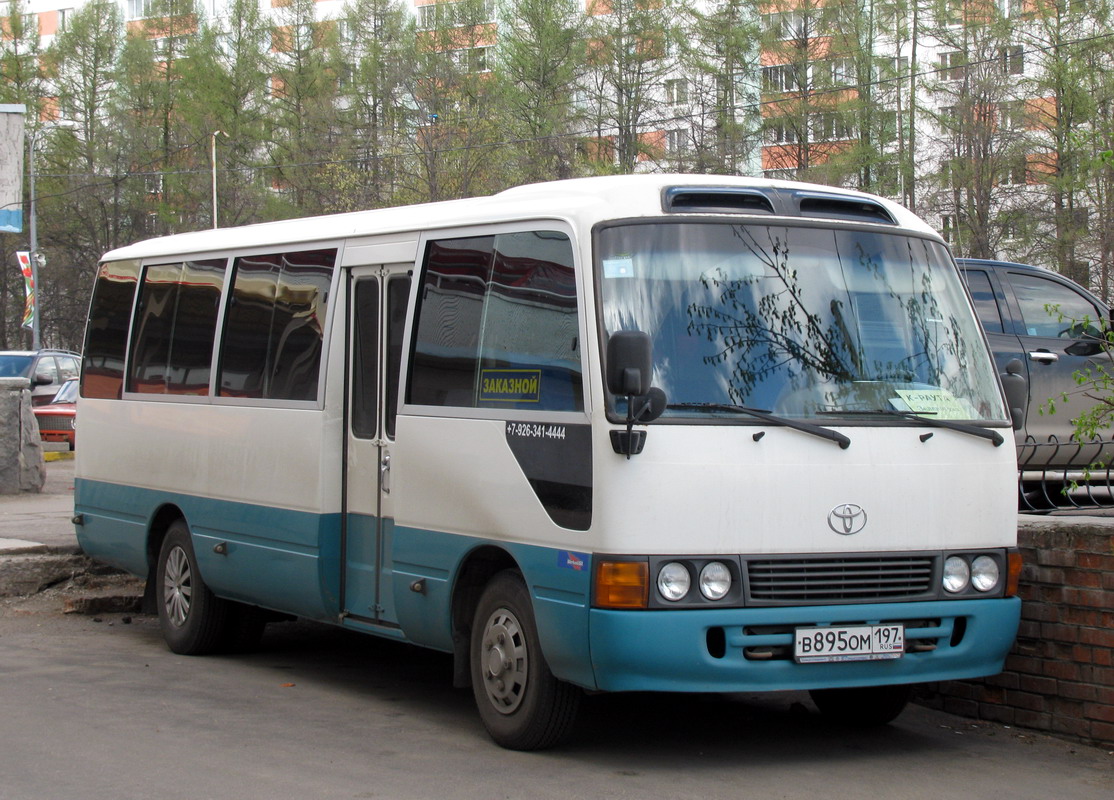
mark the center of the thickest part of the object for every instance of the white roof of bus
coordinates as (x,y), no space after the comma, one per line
(585,200)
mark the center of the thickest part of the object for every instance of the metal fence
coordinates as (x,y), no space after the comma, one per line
(1065,474)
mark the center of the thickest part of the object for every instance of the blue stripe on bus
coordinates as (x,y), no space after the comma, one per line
(277,558)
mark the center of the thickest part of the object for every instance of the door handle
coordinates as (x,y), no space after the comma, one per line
(385,473)
(1044,357)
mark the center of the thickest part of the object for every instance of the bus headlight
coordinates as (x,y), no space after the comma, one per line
(984,573)
(674,581)
(715,580)
(957,574)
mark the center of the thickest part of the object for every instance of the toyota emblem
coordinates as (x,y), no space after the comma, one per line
(847,519)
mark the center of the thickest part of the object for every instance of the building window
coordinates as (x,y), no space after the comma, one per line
(778,130)
(1013,225)
(1015,172)
(676,91)
(780,78)
(677,141)
(141,9)
(830,125)
(953,66)
(1012,115)
(887,126)
(949,228)
(950,12)
(454,13)
(472,59)
(840,71)
(1012,60)
(786,25)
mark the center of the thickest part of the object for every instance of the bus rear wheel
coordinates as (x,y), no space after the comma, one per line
(521,704)
(862,707)
(194,621)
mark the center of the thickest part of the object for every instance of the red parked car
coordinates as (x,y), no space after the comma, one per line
(58,418)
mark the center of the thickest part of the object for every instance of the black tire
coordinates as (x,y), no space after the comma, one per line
(194,621)
(521,704)
(865,707)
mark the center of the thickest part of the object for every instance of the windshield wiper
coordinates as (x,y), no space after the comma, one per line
(797,425)
(962,427)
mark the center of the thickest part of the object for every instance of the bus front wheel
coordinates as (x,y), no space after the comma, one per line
(863,707)
(521,704)
(194,621)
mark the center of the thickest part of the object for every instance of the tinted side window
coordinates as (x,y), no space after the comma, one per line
(274,327)
(365,358)
(497,324)
(106,337)
(1049,308)
(398,294)
(176,320)
(986,305)
(448,330)
(67,367)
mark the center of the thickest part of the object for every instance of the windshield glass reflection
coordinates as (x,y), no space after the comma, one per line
(799,321)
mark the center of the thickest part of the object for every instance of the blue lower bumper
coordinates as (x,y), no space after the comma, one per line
(750,649)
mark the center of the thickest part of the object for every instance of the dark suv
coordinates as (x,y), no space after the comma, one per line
(46,369)
(1013,302)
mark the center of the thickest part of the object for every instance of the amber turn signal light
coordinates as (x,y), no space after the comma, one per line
(622,584)
(1013,576)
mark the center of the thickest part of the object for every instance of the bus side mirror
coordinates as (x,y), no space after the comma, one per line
(629,363)
(630,367)
(1017,391)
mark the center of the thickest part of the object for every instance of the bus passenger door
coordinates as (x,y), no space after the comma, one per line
(376,316)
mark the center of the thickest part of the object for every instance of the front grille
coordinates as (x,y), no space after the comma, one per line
(839,579)
(54,424)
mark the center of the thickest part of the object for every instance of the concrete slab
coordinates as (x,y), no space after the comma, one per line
(42,519)
(17,546)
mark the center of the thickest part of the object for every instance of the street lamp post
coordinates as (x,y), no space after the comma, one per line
(37,259)
(213,162)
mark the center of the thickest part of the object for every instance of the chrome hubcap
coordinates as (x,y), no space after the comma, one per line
(177,587)
(504,661)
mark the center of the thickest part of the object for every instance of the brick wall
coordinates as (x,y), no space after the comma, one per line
(1059,677)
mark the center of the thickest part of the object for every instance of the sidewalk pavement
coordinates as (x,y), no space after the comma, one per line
(35,524)
(38,544)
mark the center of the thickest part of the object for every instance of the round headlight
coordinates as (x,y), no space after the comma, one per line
(956,574)
(715,580)
(984,573)
(673,581)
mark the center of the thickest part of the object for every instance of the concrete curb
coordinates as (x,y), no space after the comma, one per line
(39,569)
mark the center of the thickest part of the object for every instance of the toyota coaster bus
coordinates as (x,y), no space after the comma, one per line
(639,433)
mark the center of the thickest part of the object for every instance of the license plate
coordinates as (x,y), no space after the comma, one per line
(850,643)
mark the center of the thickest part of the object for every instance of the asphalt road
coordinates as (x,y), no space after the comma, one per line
(97,707)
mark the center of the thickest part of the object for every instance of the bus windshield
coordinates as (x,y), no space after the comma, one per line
(798,321)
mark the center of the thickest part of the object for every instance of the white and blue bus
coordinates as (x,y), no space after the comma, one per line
(640,433)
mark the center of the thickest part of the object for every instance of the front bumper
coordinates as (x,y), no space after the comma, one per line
(749,649)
